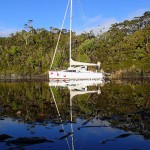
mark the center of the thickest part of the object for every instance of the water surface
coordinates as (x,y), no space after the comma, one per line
(36,115)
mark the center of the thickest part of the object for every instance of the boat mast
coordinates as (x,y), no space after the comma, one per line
(70,31)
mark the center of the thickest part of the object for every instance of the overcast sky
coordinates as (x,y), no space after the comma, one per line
(97,14)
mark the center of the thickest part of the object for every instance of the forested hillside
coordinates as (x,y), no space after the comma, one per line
(124,48)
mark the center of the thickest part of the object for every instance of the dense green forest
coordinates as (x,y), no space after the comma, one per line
(125,48)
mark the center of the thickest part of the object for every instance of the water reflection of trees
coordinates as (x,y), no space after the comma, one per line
(123,105)
(27,100)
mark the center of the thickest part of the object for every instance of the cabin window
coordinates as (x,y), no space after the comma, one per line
(70,71)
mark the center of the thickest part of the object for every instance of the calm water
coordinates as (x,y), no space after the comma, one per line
(108,116)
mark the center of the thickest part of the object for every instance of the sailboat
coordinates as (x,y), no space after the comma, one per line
(76,70)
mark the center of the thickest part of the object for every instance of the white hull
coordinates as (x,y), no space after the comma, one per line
(88,75)
(74,83)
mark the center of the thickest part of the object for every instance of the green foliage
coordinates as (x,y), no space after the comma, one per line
(126,46)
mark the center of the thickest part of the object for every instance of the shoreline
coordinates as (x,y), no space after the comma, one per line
(46,79)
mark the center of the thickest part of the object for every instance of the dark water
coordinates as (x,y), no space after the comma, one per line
(115,116)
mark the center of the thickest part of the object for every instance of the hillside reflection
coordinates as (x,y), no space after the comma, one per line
(120,105)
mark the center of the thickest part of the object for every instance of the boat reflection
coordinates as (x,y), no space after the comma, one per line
(76,87)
